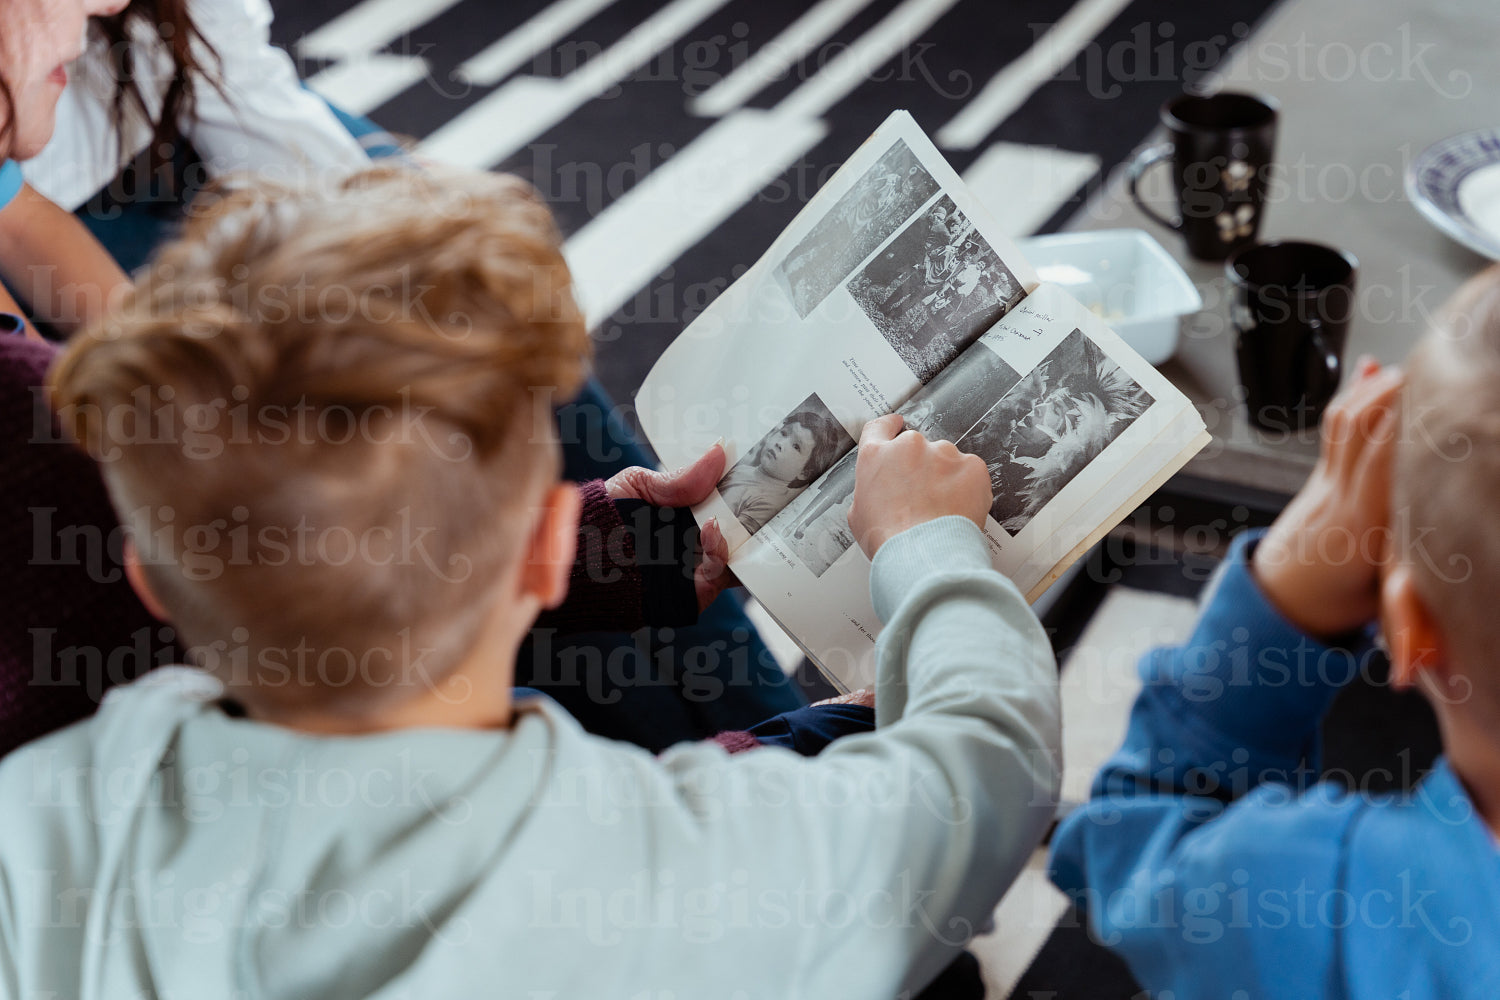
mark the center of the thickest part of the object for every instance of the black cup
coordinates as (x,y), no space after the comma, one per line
(1292,307)
(1221,148)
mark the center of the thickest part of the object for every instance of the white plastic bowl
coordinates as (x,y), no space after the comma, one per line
(1125,277)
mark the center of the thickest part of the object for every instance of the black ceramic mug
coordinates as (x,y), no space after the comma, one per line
(1292,305)
(1220,149)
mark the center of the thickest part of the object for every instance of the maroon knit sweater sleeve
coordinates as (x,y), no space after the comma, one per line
(70,626)
(604,590)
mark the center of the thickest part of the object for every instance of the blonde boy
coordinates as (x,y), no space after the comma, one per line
(325,420)
(1209,856)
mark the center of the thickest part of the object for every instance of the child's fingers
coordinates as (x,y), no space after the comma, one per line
(1375,462)
(1354,415)
(882,429)
(1369,378)
(1382,392)
(1372,480)
(1377,399)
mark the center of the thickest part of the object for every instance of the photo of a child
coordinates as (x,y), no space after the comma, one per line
(784,463)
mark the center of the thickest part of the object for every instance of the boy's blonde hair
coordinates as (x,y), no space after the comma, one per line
(324,416)
(1447,468)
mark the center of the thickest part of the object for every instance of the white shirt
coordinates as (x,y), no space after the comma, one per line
(268,122)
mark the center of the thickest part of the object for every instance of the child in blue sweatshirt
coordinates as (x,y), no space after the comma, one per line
(1210,857)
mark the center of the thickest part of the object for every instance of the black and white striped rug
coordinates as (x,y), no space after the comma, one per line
(676,138)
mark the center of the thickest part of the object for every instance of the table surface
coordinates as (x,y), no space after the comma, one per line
(1363,88)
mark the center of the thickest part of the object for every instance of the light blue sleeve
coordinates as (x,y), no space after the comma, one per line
(1207,856)
(10,186)
(919,826)
(10,182)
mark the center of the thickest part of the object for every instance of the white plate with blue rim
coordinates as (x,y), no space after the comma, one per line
(1455,183)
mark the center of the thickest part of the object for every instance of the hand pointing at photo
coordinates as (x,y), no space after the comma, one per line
(903,480)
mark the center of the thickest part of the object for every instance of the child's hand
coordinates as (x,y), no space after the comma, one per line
(901,480)
(1319,564)
(684,488)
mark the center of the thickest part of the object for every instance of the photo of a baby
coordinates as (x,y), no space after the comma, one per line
(784,463)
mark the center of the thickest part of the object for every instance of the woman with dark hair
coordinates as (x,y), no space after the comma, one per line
(130,39)
(168,95)
(165,95)
(166,74)
(42,247)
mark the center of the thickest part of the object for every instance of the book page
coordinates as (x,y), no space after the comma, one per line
(893,289)
(1072,425)
(1080,420)
(882,280)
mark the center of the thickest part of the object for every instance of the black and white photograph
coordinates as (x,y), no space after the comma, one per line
(815,526)
(935,289)
(785,462)
(1054,422)
(959,396)
(880,201)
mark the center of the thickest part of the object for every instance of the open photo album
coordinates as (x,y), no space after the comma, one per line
(893,290)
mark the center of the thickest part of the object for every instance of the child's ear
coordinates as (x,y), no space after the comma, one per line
(1411,633)
(553,544)
(137,577)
